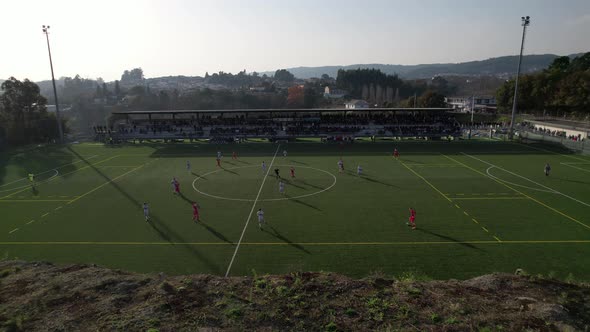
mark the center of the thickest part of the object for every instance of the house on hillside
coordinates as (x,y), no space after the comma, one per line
(333,93)
(480,103)
(356,104)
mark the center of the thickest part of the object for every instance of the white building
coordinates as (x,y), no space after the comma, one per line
(480,103)
(356,104)
(333,93)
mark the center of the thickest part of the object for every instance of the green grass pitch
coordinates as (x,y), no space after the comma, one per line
(481,207)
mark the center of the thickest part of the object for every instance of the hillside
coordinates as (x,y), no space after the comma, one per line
(46,297)
(504,66)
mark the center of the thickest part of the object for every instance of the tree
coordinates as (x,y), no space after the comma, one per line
(564,87)
(431,99)
(559,65)
(117,89)
(296,96)
(284,75)
(105,90)
(24,114)
(133,76)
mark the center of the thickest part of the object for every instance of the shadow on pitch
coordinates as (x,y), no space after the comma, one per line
(574,181)
(370,179)
(172,237)
(309,184)
(161,228)
(303,203)
(297,162)
(278,235)
(215,232)
(468,245)
(229,171)
(292,183)
(200,176)
(181,195)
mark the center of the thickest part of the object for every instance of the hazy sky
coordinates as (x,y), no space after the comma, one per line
(101,38)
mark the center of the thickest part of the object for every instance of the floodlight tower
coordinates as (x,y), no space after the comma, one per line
(526,21)
(58,118)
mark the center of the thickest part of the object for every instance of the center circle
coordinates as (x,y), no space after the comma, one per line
(319,191)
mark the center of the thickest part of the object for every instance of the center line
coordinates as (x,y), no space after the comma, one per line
(251,211)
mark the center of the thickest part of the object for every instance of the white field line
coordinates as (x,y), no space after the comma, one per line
(576,167)
(522,177)
(53,169)
(515,184)
(553,152)
(267,199)
(28,185)
(59,176)
(251,211)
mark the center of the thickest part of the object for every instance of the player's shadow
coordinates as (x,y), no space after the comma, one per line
(370,179)
(215,232)
(229,171)
(405,161)
(181,195)
(305,204)
(230,163)
(292,183)
(448,238)
(297,162)
(161,228)
(174,239)
(574,181)
(200,176)
(309,184)
(242,161)
(279,236)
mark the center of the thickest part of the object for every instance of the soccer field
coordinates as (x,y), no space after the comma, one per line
(481,207)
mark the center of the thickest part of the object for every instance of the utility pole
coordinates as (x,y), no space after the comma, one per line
(526,21)
(58,118)
(472,108)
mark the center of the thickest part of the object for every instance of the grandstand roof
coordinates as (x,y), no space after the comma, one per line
(296,110)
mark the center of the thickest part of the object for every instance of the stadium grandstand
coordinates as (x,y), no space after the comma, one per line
(280,124)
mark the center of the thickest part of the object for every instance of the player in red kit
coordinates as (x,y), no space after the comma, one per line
(196,212)
(292,170)
(395,153)
(177,187)
(412,218)
(234,155)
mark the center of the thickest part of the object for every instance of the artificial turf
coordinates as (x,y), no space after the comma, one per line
(482,206)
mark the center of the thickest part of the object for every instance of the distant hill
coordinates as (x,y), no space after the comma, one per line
(502,66)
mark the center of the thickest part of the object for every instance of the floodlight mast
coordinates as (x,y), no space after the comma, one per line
(57,116)
(526,21)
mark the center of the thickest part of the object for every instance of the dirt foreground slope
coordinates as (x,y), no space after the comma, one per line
(47,297)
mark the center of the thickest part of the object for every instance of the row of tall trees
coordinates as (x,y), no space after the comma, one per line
(23,114)
(381,89)
(563,88)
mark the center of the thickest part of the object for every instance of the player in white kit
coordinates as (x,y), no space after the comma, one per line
(282,187)
(260,215)
(146,211)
